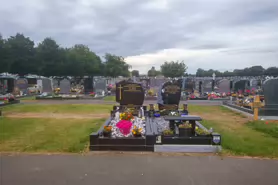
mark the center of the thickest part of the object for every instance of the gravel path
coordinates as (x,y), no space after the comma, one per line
(136,170)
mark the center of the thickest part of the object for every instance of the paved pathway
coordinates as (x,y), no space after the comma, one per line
(136,170)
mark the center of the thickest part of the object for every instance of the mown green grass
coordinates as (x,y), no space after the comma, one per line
(28,98)
(58,108)
(266,127)
(46,135)
(109,98)
(239,136)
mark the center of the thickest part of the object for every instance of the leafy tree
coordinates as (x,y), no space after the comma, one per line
(21,55)
(153,72)
(173,69)
(49,58)
(4,63)
(116,66)
(135,73)
(271,71)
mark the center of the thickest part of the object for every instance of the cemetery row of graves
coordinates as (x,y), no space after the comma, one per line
(135,127)
(242,90)
(167,126)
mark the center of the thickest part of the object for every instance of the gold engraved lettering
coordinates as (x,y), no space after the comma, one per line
(132,88)
(120,92)
(170,107)
(172,89)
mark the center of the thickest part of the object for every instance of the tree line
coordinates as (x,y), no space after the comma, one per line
(19,55)
(250,71)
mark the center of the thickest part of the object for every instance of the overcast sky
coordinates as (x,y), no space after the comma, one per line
(218,34)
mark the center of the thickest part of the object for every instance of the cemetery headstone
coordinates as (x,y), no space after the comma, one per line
(22,85)
(270,89)
(129,93)
(100,86)
(224,86)
(65,86)
(254,84)
(170,93)
(207,85)
(241,85)
(88,85)
(145,83)
(47,85)
(188,85)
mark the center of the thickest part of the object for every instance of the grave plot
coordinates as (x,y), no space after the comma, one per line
(127,129)
(175,130)
(8,99)
(267,101)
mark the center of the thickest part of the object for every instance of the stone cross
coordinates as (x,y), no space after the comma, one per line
(213,76)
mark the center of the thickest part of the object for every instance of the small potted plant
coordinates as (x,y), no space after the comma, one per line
(107,131)
(168,132)
(185,130)
(137,132)
(202,132)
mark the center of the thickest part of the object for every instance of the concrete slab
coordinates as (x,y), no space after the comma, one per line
(188,148)
(135,170)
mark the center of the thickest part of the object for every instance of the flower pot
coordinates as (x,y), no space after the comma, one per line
(185,132)
(106,134)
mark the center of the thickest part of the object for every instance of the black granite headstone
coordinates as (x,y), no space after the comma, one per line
(241,85)
(129,93)
(189,85)
(88,85)
(171,92)
(270,89)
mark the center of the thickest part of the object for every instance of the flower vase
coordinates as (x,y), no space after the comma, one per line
(185,132)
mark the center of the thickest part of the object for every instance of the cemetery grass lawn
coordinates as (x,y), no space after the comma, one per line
(109,98)
(267,127)
(58,108)
(240,136)
(28,98)
(46,135)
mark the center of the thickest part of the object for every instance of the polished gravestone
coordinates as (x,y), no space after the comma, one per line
(169,94)
(129,93)
(270,89)
(65,86)
(88,85)
(224,86)
(241,85)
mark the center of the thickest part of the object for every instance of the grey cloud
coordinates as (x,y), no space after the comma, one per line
(132,27)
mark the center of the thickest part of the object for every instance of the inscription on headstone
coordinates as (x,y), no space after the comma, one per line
(129,93)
